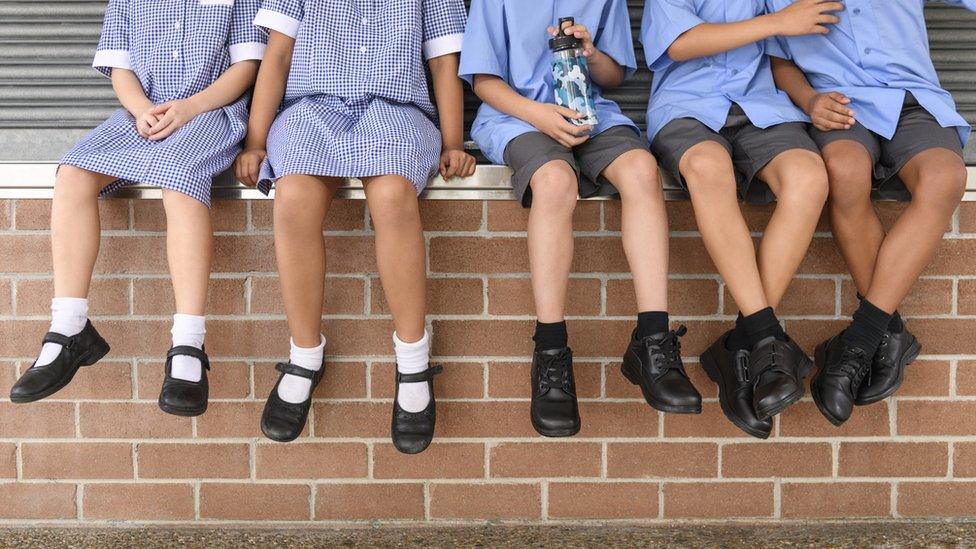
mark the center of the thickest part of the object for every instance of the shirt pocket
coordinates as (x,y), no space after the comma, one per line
(901,24)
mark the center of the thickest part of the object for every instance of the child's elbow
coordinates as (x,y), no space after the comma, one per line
(678,53)
(480,81)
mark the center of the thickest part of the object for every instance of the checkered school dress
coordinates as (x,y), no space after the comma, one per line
(357,103)
(177,48)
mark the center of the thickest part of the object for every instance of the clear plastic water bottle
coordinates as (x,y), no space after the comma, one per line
(571,75)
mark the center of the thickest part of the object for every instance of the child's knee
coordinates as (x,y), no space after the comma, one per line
(391,196)
(707,167)
(77,181)
(941,186)
(555,186)
(806,186)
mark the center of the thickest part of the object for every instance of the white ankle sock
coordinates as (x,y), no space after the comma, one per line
(295,389)
(413,358)
(69,315)
(188,330)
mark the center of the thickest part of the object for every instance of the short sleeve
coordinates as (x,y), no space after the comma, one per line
(776,46)
(284,16)
(664,21)
(113,46)
(247,41)
(615,38)
(485,48)
(444,22)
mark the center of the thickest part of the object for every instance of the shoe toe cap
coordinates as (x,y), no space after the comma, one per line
(411,443)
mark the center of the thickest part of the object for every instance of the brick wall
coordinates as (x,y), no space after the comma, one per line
(102,451)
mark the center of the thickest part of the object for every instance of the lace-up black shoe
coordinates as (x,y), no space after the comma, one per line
(841,369)
(730,371)
(777,369)
(897,350)
(654,363)
(555,412)
(284,421)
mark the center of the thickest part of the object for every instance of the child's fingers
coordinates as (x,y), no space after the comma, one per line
(567,112)
(839,97)
(470,165)
(551,31)
(161,108)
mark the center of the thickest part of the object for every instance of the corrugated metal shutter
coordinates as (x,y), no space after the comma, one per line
(49,96)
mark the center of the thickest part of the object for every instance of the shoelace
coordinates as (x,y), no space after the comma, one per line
(668,349)
(854,364)
(554,371)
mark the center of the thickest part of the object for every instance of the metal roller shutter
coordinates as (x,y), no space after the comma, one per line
(49,96)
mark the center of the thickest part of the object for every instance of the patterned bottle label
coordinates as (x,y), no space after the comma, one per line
(571,76)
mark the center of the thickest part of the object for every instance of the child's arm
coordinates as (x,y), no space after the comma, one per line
(800,18)
(547,118)
(129,90)
(828,111)
(449,94)
(231,85)
(269,91)
(604,70)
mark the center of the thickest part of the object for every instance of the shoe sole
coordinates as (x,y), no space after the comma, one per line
(711,368)
(790,400)
(182,412)
(914,350)
(97,353)
(627,369)
(820,357)
(556,434)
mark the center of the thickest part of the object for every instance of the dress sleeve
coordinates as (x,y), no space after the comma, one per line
(284,16)
(443,22)
(485,49)
(247,41)
(664,21)
(614,37)
(113,46)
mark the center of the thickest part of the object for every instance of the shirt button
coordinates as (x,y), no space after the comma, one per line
(857,11)
(867,50)
(735,71)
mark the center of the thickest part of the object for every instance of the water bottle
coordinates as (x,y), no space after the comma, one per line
(571,75)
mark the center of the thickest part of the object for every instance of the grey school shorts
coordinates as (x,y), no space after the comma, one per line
(917,131)
(529,152)
(750,147)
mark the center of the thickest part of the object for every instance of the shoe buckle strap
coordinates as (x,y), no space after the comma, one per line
(294,370)
(60,339)
(742,366)
(187,350)
(426,375)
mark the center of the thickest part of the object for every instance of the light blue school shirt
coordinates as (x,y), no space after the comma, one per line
(507,38)
(705,88)
(878,51)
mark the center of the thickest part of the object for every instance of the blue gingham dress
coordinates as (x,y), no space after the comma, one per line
(357,103)
(177,48)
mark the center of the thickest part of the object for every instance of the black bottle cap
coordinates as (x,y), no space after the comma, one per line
(563,41)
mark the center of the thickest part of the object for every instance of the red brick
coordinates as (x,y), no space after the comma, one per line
(967,217)
(77,460)
(193,461)
(955,257)
(22,253)
(618,419)
(231,420)
(926,378)
(138,502)
(154,296)
(311,461)
(710,423)
(718,500)
(966,377)
(964,459)
(471,254)
(686,297)
(107,296)
(342,296)
(485,501)
(513,296)
(6,206)
(546,459)
(804,420)
(107,380)
(603,500)
(132,255)
(445,296)
(835,500)
(255,253)
(453,460)
(929,296)
(6,297)
(470,419)
(369,501)
(451,215)
(805,296)
(268,339)
(39,420)
(264,502)
(227,379)
(340,380)
(226,215)
(937,499)
(508,216)
(662,460)
(893,459)
(37,501)
(35,215)
(8,375)
(513,379)
(130,420)
(344,215)
(8,460)
(920,417)
(355,419)
(787,459)
(459,380)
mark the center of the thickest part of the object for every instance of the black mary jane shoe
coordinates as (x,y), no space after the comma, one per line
(730,371)
(897,350)
(777,370)
(412,432)
(82,349)
(654,364)
(283,421)
(179,396)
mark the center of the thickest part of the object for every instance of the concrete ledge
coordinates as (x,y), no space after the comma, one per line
(36,181)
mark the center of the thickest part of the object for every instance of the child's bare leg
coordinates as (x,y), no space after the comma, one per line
(799,181)
(75,230)
(644,225)
(555,189)
(402,263)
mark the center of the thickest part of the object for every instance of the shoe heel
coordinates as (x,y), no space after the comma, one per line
(913,352)
(629,373)
(98,352)
(710,368)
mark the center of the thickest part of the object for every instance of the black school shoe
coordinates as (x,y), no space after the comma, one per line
(777,370)
(841,369)
(730,371)
(179,396)
(654,363)
(82,349)
(413,431)
(284,421)
(897,350)
(555,412)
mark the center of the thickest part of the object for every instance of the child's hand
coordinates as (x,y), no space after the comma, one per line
(247,166)
(172,116)
(145,122)
(551,120)
(456,163)
(579,31)
(829,111)
(807,17)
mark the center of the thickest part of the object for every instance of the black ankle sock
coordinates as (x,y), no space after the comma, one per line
(652,322)
(896,325)
(868,328)
(759,326)
(550,336)
(738,339)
